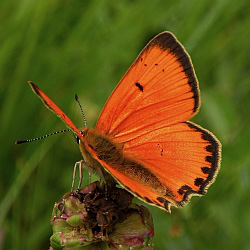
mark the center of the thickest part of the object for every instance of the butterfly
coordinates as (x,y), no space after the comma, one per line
(143,139)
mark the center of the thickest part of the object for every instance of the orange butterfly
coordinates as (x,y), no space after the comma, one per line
(143,138)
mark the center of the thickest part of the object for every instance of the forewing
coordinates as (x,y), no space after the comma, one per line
(160,89)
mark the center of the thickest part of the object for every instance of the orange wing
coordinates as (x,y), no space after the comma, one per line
(184,157)
(148,115)
(159,89)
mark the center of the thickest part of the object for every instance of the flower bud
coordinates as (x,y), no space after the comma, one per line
(100,217)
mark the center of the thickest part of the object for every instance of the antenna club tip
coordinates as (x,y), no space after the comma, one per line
(20,142)
(76,97)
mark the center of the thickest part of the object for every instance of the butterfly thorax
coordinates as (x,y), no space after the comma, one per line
(99,147)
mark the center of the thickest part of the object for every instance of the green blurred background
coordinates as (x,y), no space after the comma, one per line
(85,47)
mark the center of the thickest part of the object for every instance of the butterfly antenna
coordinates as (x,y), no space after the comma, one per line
(83,115)
(42,137)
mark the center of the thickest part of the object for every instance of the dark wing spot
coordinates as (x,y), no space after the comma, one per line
(206,170)
(198,182)
(145,64)
(184,189)
(209,148)
(209,158)
(163,70)
(140,87)
(156,64)
(160,199)
(141,59)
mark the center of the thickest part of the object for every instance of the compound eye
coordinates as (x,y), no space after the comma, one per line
(77,140)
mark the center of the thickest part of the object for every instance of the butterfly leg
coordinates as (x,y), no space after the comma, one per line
(79,165)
